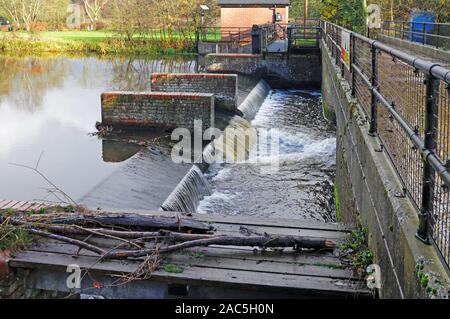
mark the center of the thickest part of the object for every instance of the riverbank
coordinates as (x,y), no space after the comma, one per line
(98,42)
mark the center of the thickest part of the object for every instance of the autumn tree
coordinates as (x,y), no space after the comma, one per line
(348,13)
(401,9)
(132,17)
(297,9)
(183,17)
(23,13)
(94,10)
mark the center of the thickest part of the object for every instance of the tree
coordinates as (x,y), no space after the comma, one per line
(347,13)
(401,9)
(94,9)
(22,12)
(128,17)
(183,16)
(54,14)
(297,8)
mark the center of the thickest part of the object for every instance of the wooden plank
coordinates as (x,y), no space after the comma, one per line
(287,256)
(37,206)
(320,268)
(4,203)
(196,275)
(256,221)
(10,204)
(333,235)
(270,266)
(26,207)
(19,205)
(283,223)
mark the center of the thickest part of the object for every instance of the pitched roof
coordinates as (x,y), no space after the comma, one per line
(255,2)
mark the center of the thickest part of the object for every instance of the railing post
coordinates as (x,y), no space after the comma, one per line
(403,30)
(197,40)
(424,30)
(289,36)
(438,35)
(256,39)
(352,62)
(429,174)
(374,101)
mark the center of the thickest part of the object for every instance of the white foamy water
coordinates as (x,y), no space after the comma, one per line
(300,181)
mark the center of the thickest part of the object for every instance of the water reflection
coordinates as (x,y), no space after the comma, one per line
(51,105)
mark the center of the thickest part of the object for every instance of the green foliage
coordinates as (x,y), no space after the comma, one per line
(297,9)
(347,13)
(174,269)
(357,248)
(14,238)
(429,281)
(83,42)
(330,265)
(337,203)
(401,9)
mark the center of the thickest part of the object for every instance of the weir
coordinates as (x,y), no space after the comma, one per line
(194,187)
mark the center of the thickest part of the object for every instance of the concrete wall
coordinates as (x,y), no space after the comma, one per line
(168,110)
(223,86)
(299,70)
(416,48)
(205,48)
(367,186)
(247,16)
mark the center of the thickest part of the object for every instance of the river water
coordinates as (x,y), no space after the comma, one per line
(302,186)
(49,106)
(48,109)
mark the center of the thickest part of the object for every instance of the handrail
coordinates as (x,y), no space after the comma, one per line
(427,132)
(427,67)
(426,33)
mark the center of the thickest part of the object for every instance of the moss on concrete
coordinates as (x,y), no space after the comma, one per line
(328,112)
(337,203)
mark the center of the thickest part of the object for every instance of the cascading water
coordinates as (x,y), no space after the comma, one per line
(189,192)
(301,186)
(250,106)
(234,145)
(239,135)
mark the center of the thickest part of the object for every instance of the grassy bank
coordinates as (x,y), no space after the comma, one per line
(99,42)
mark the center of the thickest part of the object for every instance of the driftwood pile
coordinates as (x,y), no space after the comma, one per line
(135,231)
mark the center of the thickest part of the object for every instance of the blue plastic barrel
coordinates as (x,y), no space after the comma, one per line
(418,27)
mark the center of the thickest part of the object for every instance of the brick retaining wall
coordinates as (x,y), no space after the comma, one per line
(169,110)
(223,86)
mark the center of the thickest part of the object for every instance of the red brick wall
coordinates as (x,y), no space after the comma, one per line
(248,16)
(169,110)
(223,86)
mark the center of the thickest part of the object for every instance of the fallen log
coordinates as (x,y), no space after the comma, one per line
(126,220)
(257,241)
(163,234)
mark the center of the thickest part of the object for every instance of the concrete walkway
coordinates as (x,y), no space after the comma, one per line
(278,46)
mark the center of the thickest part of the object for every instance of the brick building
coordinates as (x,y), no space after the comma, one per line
(246,13)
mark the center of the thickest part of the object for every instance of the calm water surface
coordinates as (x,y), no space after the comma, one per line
(49,106)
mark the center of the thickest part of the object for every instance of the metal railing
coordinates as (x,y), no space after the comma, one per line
(433,34)
(406,102)
(297,35)
(235,35)
(304,35)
